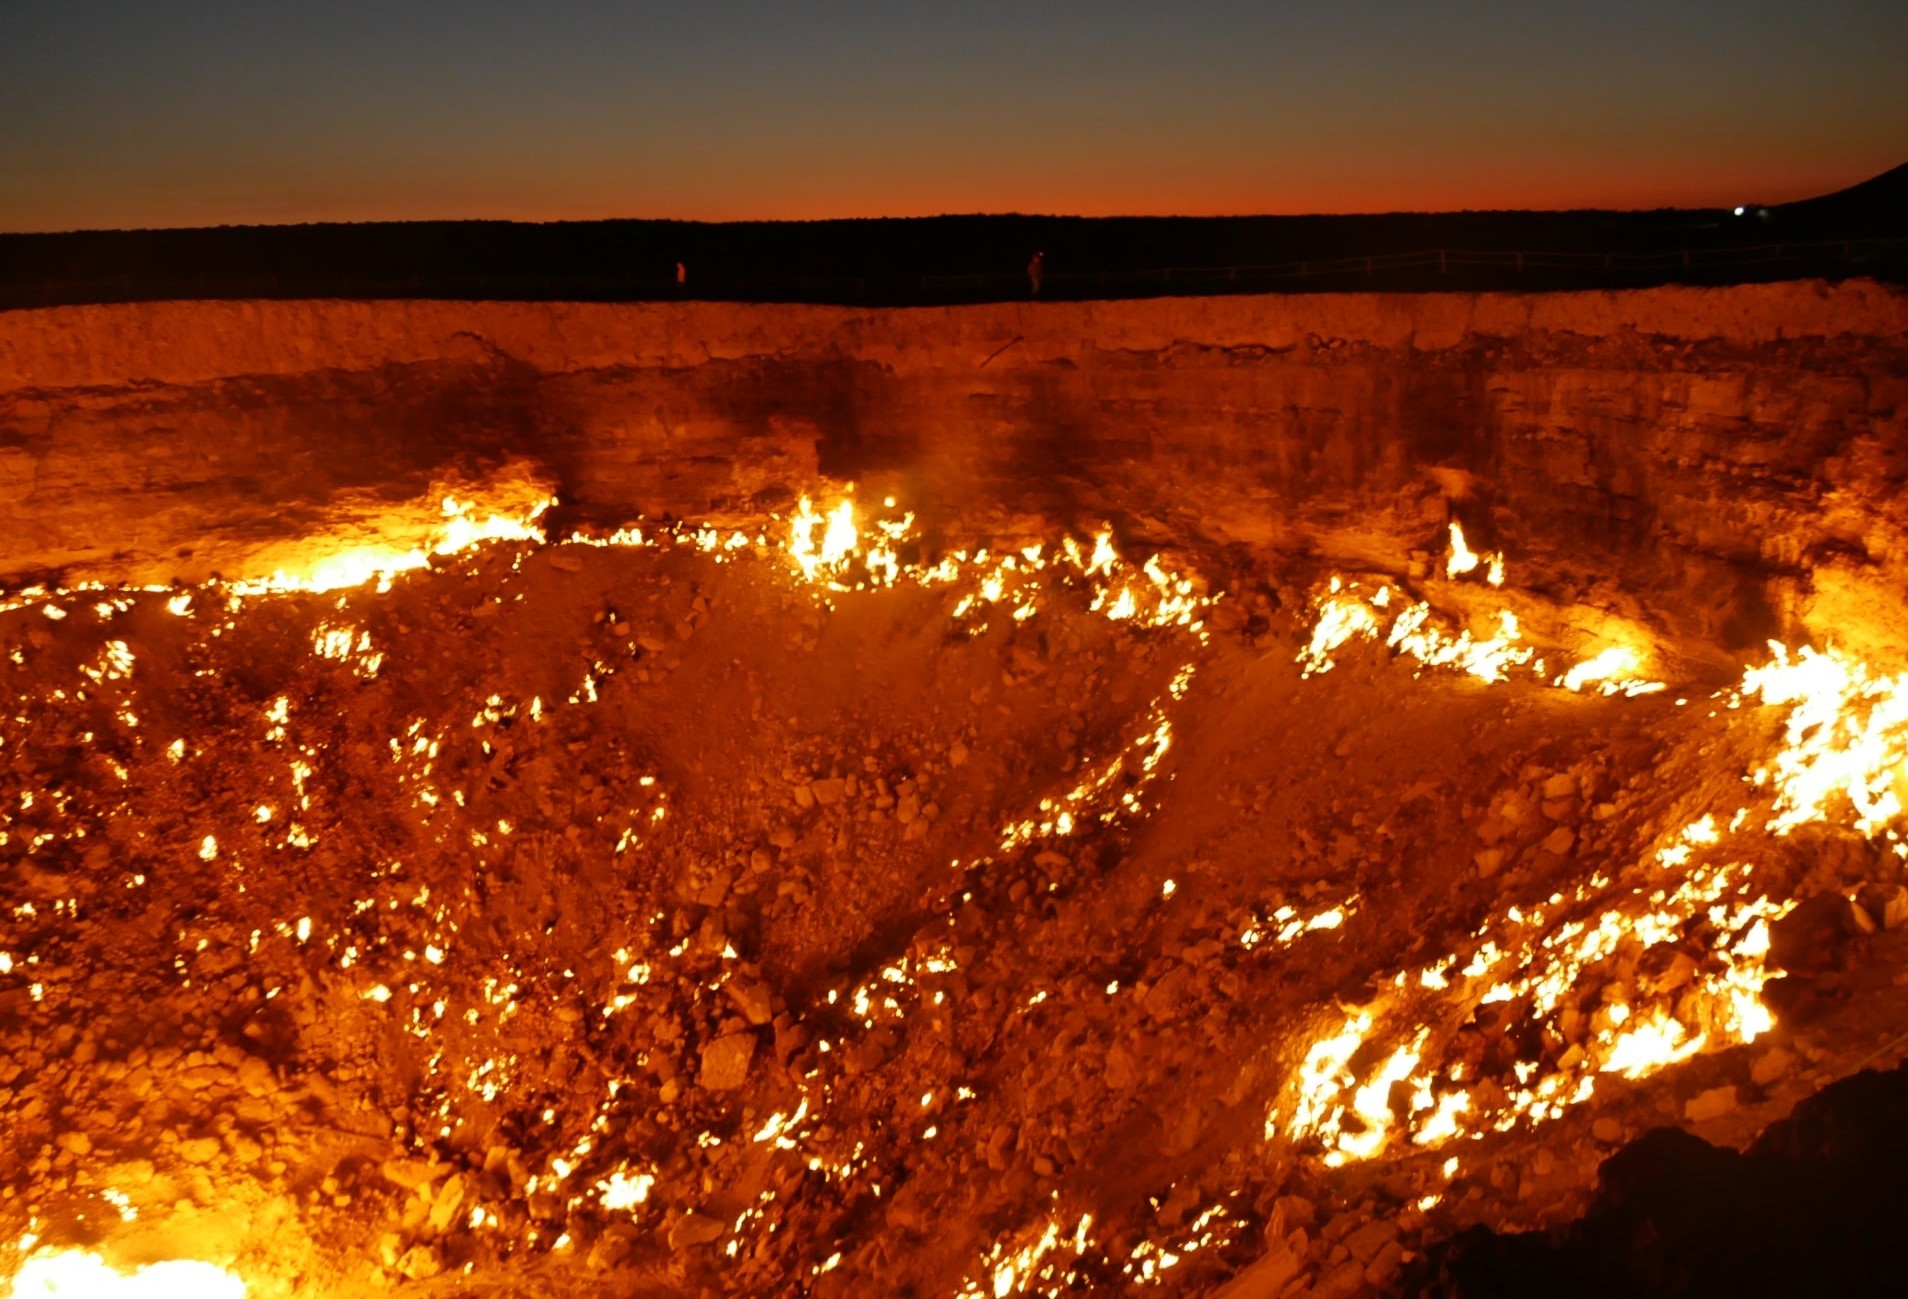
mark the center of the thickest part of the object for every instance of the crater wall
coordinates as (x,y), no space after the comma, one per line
(1724,464)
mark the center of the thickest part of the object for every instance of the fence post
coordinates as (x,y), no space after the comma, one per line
(1442,267)
(1520,263)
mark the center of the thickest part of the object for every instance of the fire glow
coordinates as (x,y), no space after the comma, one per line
(80,1274)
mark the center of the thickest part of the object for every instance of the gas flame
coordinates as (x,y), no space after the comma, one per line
(80,1274)
(828,561)
(1341,618)
(1559,968)
(1463,559)
(1847,735)
(1611,672)
(464,524)
(1343,612)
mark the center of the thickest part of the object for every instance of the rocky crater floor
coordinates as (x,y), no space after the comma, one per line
(815,903)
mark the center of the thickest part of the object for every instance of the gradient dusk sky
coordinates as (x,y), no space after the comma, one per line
(124,113)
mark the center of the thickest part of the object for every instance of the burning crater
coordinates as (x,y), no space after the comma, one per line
(1058,860)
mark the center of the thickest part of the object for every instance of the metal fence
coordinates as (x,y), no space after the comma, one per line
(1430,270)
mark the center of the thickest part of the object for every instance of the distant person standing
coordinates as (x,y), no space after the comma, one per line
(682,275)
(1034,269)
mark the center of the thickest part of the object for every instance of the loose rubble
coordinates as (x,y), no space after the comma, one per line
(783,908)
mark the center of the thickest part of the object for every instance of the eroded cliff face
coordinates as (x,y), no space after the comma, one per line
(1719,464)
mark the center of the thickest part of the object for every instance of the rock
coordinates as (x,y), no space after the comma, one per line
(450,1198)
(725,1062)
(419,1263)
(1384,1269)
(1489,862)
(610,1249)
(1183,1199)
(1561,785)
(1771,1065)
(693,1229)
(828,792)
(999,1142)
(1365,1242)
(712,893)
(199,1150)
(1509,811)
(753,999)
(865,1055)
(1608,1131)
(1264,1279)
(1344,1281)
(1714,1103)
(1558,841)
(563,561)
(410,1174)
(1291,1213)
(255,1076)
(132,1172)
(1167,999)
(957,754)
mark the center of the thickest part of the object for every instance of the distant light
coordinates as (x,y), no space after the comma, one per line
(1741,210)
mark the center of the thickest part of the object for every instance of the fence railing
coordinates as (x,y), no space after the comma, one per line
(1420,271)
